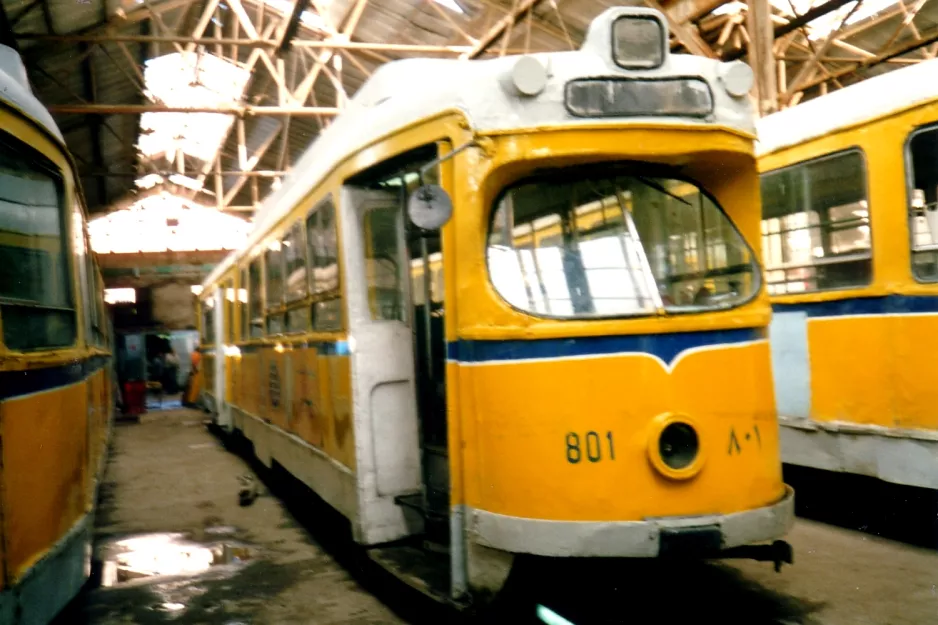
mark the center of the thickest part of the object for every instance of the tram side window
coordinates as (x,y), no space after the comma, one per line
(273,263)
(816,225)
(36,299)
(255,305)
(99,319)
(323,251)
(229,310)
(208,320)
(243,304)
(616,245)
(297,281)
(922,159)
(86,272)
(383,268)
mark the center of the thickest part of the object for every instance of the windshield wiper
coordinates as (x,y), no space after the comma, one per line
(658,187)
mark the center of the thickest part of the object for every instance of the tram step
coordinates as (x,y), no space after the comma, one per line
(415,501)
(427,571)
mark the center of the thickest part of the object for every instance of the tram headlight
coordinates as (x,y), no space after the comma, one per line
(675,447)
(678,445)
(638,41)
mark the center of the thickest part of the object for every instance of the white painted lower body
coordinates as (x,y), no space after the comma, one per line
(375,519)
(899,456)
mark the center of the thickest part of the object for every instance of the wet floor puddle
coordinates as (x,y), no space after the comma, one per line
(153,557)
(173,567)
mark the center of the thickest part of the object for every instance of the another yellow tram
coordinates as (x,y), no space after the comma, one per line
(586,373)
(55,355)
(850,244)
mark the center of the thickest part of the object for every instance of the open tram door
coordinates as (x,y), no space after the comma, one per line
(398,351)
(222,298)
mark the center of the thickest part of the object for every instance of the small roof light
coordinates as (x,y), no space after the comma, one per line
(737,78)
(529,76)
(638,41)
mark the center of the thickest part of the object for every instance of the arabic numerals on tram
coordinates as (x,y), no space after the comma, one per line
(590,447)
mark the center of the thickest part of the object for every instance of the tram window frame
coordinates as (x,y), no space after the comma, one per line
(242,304)
(627,169)
(326,310)
(273,298)
(297,312)
(86,274)
(830,261)
(229,314)
(16,337)
(394,250)
(256,321)
(914,250)
(207,314)
(100,336)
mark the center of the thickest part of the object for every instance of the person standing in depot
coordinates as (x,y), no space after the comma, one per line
(192,383)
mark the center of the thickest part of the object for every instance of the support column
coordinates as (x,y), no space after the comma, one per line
(761,57)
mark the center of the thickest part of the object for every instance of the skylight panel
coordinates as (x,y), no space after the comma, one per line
(189,80)
(166,222)
(451,5)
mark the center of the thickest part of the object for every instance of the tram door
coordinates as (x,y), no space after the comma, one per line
(399,337)
(387,439)
(221,403)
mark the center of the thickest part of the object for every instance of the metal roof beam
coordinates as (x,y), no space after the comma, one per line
(684,11)
(104,173)
(139,109)
(325,44)
(499,29)
(118,21)
(808,67)
(91,93)
(293,25)
(686,34)
(912,46)
(794,24)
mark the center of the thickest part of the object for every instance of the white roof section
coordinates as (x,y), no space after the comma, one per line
(404,92)
(860,102)
(15,91)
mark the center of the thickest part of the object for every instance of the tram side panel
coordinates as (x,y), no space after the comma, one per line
(854,328)
(55,395)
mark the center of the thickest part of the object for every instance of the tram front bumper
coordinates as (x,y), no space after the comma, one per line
(707,536)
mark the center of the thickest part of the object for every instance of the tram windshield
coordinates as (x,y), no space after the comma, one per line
(616,245)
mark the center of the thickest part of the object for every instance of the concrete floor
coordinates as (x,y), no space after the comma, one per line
(168,474)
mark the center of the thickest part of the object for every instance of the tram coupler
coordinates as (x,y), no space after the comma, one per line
(777,553)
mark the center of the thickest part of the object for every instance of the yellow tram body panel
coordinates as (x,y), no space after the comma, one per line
(55,394)
(850,359)
(522,417)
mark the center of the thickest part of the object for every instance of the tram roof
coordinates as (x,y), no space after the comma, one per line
(16,92)
(405,92)
(858,103)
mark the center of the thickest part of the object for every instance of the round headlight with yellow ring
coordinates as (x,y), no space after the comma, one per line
(675,446)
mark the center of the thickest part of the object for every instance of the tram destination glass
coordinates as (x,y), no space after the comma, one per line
(623,97)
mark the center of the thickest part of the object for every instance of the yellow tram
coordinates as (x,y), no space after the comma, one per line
(850,245)
(585,373)
(55,355)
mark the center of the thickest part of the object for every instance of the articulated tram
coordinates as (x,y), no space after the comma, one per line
(55,363)
(512,309)
(850,244)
